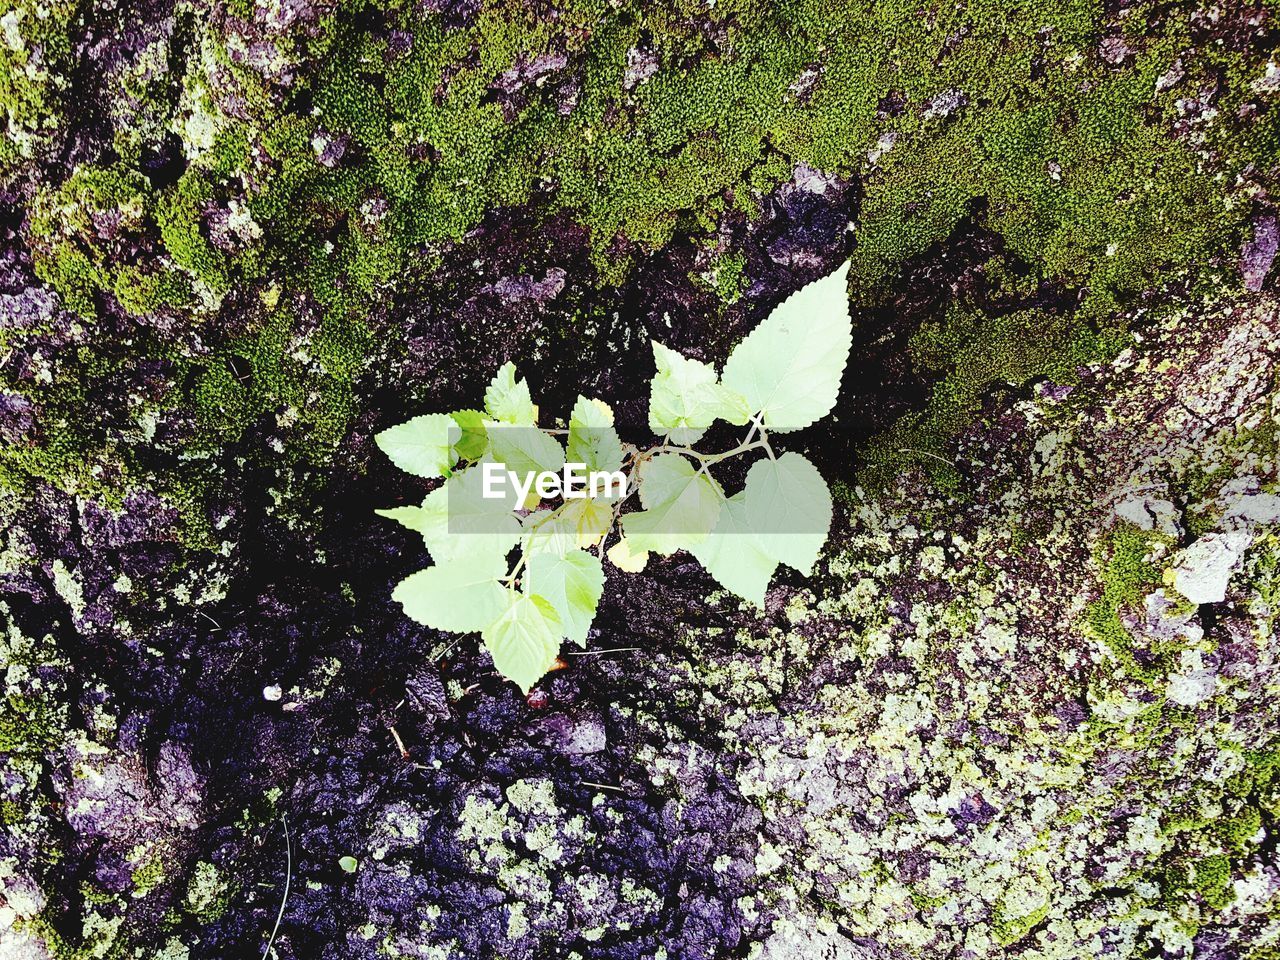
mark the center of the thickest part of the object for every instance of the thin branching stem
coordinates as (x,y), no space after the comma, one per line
(757,438)
(288,879)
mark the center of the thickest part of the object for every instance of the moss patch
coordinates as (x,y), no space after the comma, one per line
(399,131)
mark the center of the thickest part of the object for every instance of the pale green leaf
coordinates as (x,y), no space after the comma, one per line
(681,505)
(733,554)
(507,399)
(423,519)
(469,507)
(525,450)
(548,531)
(461,595)
(572,584)
(681,396)
(667,477)
(574,525)
(789,509)
(462,521)
(431,520)
(472,441)
(524,640)
(421,446)
(731,406)
(789,367)
(686,397)
(592,438)
(624,556)
(456,522)
(591,517)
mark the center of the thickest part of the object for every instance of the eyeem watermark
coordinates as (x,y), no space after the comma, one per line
(573,482)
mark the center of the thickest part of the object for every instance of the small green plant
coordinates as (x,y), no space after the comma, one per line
(783,376)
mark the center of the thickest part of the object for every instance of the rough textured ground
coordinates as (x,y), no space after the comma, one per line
(1027,704)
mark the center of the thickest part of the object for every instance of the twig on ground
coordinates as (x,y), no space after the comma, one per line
(602,786)
(404,753)
(211,620)
(596,653)
(288,878)
(926,453)
(447,650)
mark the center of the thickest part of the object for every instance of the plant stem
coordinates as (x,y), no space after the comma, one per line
(511,577)
(635,459)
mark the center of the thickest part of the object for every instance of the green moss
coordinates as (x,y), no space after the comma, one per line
(1211,878)
(26,726)
(1207,853)
(1260,780)
(1009,929)
(148,876)
(440,152)
(1264,576)
(178,219)
(78,229)
(1239,832)
(924,902)
(85,237)
(36,61)
(99,939)
(11,813)
(209,893)
(978,357)
(1127,577)
(1068,159)
(730,278)
(142,293)
(31,717)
